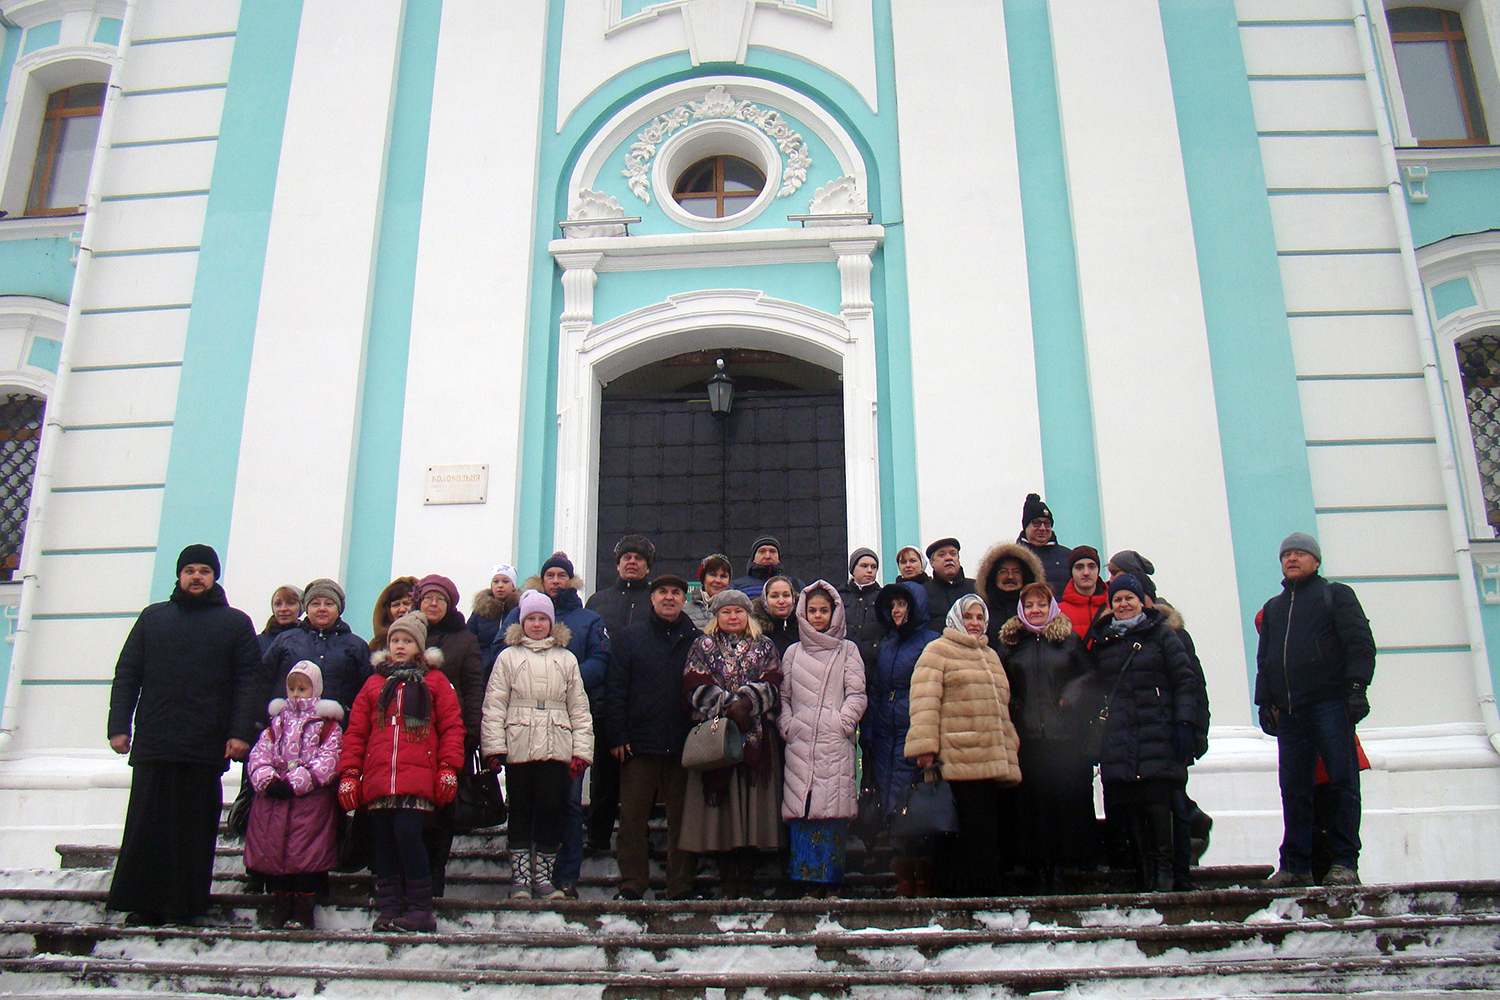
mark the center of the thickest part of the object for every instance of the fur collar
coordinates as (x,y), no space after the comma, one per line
(487,605)
(984,579)
(1170,616)
(561,635)
(965,639)
(1056,631)
(324,709)
(433,656)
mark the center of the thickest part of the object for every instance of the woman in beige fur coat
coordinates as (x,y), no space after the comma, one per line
(960,718)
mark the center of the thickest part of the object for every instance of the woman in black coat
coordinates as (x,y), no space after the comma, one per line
(773,612)
(1149,740)
(1054,808)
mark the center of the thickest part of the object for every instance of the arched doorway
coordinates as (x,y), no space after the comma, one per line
(697,483)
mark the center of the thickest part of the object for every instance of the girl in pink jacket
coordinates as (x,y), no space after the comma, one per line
(822,701)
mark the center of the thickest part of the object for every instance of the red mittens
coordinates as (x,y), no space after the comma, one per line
(577,767)
(447,786)
(349,791)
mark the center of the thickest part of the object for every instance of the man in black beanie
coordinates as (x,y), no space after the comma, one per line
(186,693)
(1038,536)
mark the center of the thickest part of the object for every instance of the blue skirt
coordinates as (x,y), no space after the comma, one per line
(817,850)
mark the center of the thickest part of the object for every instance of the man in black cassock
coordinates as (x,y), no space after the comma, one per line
(189,677)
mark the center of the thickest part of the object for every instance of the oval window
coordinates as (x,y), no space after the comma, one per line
(719,186)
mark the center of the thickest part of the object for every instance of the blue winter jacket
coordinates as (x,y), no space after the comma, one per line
(589,644)
(342,656)
(883,732)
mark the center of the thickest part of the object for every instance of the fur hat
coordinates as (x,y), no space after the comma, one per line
(1082,552)
(1301,541)
(199,555)
(639,544)
(716,561)
(433,581)
(1126,581)
(534,602)
(324,587)
(942,543)
(555,561)
(669,580)
(414,624)
(860,553)
(313,673)
(729,599)
(1033,508)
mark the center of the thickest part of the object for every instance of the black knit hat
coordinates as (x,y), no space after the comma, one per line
(1126,581)
(940,543)
(639,544)
(770,540)
(860,553)
(199,554)
(1034,508)
(558,559)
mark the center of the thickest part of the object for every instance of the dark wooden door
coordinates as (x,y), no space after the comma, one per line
(697,484)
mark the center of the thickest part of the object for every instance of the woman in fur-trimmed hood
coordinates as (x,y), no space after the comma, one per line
(1044,659)
(489,608)
(1003,571)
(537,724)
(960,718)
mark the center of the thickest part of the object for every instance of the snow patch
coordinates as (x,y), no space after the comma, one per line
(1111,916)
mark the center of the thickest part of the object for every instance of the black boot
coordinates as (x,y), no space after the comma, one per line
(389,894)
(281,909)
(418,915)
(302,911)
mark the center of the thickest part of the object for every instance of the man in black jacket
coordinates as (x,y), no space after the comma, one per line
(948,582)
(186,694)
(627,602)
(1315,661)
(860,624)
(645,724)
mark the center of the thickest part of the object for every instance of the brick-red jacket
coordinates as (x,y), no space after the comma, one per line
(392,760)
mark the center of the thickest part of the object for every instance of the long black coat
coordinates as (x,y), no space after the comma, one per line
(189,678)
(342,656)
(622,605)
(1314,640)
(1159,690)
(860,624)
(643,704)
(464,668)
(1039,667)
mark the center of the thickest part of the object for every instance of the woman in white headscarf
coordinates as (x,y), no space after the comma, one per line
(960,718)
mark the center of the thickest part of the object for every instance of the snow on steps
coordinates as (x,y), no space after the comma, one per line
(55,939)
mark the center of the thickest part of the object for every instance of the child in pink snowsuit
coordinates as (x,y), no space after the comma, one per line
(292,838)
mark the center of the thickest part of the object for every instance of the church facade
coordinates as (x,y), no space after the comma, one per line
(358,289)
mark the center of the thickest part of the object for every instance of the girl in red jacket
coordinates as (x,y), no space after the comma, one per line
(400,760)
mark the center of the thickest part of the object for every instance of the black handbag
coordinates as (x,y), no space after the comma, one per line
(479,803)
(1093,737)
(929,808)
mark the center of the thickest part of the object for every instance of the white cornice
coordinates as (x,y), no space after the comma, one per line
(1450,157)
(28,13)
(40,228)
(726,249)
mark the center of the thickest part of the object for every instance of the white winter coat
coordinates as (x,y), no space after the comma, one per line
(822,701)
(535,707)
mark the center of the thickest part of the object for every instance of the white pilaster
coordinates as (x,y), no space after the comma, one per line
(466,369)
(577,407)
(861,438)
(1157,430)
(295,476)
(973,365)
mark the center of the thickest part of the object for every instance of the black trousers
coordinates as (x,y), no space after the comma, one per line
(166,863)
(1145,807)
(604,798)
(398,849)
(538,793)
(968,862)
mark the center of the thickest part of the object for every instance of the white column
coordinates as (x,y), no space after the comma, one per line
(577,423)
(861,438)
(1157,429)
(295,476)
(973,364)
(466,368)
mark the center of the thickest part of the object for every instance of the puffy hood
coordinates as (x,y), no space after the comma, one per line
(1056,631)
(432,658)
(561,635)
(322,708)
(566,600)
(1031,569)
(810,636)
(914,593)
(487,605)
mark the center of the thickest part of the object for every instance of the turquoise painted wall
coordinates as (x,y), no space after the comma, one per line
(876,137)
(1451,296)
(383,395)
(41,36)
(108,31)
(43,268)
(199,494)
(1490,615)
(1064,402)
(10,47)
(816,285)
(1458,201)
(45,353)
(1266,473)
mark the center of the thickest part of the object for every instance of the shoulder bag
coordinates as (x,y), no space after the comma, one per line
(712,744)
(1093,737)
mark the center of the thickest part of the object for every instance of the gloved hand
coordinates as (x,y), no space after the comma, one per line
(739,712)
(279,788)
(349,791)
(1358,702)
(495,762)
(1269,721)
(447,786)
(577,767)
(1182,742)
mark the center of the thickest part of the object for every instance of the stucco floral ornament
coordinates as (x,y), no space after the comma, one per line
(717,104)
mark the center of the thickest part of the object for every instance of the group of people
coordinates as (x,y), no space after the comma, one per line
(1011,686)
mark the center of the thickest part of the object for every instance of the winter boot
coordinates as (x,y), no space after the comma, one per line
(925,868)
(541,876)
(389,893)
(520,872)
(281,909)
(302,911)
(418,915)
(906,876)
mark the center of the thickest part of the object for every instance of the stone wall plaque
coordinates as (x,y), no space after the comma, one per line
(456,484)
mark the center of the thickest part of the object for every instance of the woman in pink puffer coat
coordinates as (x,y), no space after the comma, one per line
(822,701)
